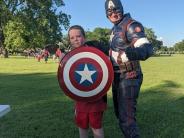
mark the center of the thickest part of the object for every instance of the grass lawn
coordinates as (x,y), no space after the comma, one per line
(39,108)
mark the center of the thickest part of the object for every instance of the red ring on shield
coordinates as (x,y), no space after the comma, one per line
(98,79)
(85,74)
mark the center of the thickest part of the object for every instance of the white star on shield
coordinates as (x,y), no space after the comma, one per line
(86,74)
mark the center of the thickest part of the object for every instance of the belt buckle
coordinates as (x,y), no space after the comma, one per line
(131,75)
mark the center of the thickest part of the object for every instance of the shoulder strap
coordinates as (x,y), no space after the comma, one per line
(125,26)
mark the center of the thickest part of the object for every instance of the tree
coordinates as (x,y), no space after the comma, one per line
(164,48)
(8,10)
(179,46)
(43,21)
(46,23)
(100,34)
(153,38)
(15,33)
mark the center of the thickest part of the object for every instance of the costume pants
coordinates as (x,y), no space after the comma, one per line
(125,94)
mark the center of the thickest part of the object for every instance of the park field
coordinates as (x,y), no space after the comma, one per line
(39,109)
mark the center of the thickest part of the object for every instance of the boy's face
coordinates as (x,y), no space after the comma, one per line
(76,38)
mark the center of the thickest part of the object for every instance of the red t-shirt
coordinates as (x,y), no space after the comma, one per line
(96,106)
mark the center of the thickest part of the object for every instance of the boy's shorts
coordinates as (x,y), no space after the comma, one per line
(94,119)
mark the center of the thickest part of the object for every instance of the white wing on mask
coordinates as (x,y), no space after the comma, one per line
(111,5)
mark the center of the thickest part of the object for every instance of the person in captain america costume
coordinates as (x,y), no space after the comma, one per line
(128,45)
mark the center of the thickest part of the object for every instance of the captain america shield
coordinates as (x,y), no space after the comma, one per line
(85,74)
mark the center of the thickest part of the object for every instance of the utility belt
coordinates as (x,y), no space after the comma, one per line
(127,67)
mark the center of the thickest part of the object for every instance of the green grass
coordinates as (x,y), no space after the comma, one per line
(39,109)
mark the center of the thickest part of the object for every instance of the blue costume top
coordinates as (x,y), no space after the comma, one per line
(128,44)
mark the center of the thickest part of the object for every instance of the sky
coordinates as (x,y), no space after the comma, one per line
(165,17)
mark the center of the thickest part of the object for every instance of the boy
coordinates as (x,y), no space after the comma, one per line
(86,113)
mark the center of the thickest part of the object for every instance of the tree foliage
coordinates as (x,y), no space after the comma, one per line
(157,44)
(15,39)
(103,34)
(179,46)
(100,34)
(42,22)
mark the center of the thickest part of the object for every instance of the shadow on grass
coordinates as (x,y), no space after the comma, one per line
(24,88)
(160,111)
(159,115)
(40,109)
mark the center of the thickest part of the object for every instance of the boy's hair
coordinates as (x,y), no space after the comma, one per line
(77,27)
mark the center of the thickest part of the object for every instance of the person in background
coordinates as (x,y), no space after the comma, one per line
(86,113)
(59,54)
(46,54)
(128,45)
